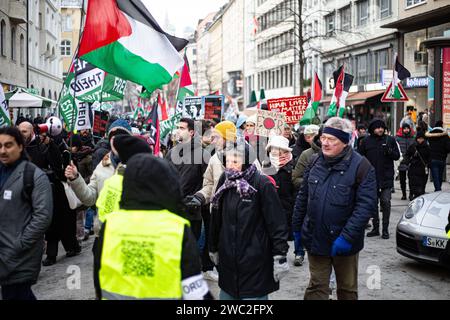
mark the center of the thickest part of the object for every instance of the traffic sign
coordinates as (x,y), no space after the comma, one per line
(388,94)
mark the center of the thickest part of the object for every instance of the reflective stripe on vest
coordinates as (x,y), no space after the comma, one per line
(141,255)
(109,197)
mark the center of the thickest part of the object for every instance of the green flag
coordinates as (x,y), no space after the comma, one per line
(169,125)
(4,113)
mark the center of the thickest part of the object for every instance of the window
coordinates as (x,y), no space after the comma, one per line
(363,12)
(385,8)
(316,28)
(410,3)
(67,23)
(43,92)
(329,20)
(40,20)
(345,18)
(22,49)
(65,48)
(49,94)
(362,69)
(13,44)
(3,38)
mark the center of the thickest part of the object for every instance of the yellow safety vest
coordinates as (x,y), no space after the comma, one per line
(448,234)
(109,197)
(141,255)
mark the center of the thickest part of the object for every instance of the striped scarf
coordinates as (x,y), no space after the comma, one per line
(238,180)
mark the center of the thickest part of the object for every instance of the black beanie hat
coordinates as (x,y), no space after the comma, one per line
(127,146)
(76,141)
(151,183)
(420,134)
(406,125)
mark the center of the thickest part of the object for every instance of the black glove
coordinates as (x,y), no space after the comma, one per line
(193,202)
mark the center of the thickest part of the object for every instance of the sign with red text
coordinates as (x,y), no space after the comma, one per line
(446,88)
(293,107)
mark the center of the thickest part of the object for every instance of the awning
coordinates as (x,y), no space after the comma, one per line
(355,98)
(21,98)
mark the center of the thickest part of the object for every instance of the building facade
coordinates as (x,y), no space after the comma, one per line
(13,44)
(44,47)
(214,67)
(71,12)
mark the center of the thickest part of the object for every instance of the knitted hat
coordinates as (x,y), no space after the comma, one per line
(278,142)
(420,134)
(121,124)
(252,119)
(227,130)
(127,146)
(241,120)
(311,129)
(406,125)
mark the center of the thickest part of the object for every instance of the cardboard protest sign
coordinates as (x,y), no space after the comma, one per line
(269,123)
(192,108)
(213,107)
(293,107)
(100,122)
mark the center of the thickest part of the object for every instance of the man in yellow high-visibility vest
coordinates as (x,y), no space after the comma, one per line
(146,250)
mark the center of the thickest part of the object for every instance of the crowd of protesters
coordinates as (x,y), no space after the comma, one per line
(219,202)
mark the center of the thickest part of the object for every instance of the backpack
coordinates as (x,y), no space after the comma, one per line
(28,181)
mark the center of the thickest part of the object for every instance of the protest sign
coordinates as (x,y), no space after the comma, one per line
(293,107)
(100,121)
(269,123)
(213,107)
(192,108)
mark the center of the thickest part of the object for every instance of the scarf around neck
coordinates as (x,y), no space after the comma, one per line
(238,180)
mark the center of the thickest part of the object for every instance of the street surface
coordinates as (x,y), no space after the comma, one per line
(400,277)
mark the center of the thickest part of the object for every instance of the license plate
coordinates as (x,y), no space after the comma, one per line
(434,242)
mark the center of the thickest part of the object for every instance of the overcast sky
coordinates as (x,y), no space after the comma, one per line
(182,13)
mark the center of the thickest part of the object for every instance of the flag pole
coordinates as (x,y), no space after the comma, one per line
(75,79)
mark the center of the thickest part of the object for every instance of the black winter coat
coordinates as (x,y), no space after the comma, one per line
(418,157)
(381,152)
(190,161)
(439,144)
(248,233)
(286,191)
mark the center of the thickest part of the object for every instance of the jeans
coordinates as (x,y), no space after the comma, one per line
(437,171)
(89,221)
(20,291)
(225,296)
(298,247)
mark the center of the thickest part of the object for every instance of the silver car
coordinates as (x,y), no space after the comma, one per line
(421,230)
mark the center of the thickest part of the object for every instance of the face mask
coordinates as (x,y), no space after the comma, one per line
(275,161)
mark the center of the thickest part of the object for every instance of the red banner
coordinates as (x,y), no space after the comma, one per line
(293,107)
(446,88)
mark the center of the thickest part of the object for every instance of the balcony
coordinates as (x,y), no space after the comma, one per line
(17,11)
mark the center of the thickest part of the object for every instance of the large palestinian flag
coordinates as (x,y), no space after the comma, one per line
(122,38)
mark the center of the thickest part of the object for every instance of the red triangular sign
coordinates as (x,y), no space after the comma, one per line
(385,97)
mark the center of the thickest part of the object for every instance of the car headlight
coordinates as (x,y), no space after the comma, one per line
(414,207)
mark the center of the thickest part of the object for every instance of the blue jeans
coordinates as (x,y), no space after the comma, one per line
(298,247)
(89,221)
(225,296)
(437,171)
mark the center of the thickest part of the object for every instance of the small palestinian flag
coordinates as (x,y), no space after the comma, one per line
(122,38)
(4,112)
(400,73)
(186,88)
(343,81)
(316,96)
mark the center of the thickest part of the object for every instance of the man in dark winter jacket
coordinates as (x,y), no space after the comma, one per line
(418,158)
(25,215)
(405,139)
(46,156)
(381,150)
(332,209)
(165,248)
(440,146)
(190,161)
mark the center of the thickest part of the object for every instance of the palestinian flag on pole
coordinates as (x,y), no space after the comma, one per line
(342,83)
(153,127)
(4,113)
(400,73)
(163,107)
(122,38)
(185,88)
(316,96)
